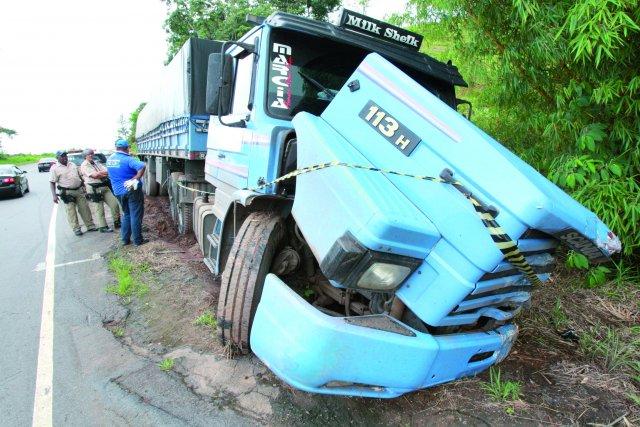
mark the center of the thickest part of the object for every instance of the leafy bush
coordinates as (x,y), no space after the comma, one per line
(557,82)
(616,201)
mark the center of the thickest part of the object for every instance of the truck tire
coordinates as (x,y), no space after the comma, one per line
(185,218)
(258,241)
(151,186)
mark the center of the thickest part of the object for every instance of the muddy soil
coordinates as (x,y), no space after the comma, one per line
(559,383)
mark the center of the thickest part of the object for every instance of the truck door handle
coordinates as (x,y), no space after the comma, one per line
(221,156)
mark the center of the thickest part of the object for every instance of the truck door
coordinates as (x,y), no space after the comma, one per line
(228,148)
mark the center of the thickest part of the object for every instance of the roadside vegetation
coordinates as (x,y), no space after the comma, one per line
(166,364)
(118,332)
(558,83)
(127,276)
(207,319)
(500,389)
(22,159)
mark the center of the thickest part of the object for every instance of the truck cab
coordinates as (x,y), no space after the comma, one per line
(285,65)
(370,239)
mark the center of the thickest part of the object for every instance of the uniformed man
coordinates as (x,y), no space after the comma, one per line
(65,176)
(96,180)
(126,173)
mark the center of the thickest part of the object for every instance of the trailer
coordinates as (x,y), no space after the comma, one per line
(371,240)
(172,131)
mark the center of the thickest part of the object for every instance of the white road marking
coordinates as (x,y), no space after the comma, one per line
(41,265)
(43,398)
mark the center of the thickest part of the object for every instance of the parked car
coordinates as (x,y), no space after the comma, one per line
(13,181)
(44,164)
(77,157)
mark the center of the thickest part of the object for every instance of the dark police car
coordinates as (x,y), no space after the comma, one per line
(13,181)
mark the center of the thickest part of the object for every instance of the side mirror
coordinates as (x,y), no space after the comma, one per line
(219,76)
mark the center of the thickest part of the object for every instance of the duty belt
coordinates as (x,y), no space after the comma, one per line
(98,184)
(66,188)
(66,198)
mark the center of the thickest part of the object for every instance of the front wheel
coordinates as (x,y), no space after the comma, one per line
(258,241)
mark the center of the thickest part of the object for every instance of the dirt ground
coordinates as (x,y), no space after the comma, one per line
(576,357)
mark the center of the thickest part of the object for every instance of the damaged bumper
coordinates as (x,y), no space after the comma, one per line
(372,356)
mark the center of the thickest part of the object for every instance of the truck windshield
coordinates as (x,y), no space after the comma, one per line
(306,72)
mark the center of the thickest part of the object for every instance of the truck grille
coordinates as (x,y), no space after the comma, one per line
(501,294)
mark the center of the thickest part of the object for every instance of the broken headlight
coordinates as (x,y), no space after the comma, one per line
(354,266)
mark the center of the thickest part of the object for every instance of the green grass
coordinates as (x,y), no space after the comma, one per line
(558,316)
(166,364)
(206,319)
(22,159)
(118,332)
(500,390)
(127,283)
(607,346)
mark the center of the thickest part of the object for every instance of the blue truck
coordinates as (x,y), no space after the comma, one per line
(371,240)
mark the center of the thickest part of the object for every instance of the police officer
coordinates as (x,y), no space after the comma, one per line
(66,178)
(96,179)
(126,173)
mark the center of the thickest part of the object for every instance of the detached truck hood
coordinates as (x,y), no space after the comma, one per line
(383,119)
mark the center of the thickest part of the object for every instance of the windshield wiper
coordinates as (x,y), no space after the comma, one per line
(318,85)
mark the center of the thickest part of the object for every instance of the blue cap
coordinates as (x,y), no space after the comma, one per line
(61,153)
(121,143)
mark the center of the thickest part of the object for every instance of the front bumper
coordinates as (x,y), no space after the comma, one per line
(322,354)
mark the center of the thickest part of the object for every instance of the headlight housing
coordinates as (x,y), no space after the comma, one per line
(349,263)
(382,276)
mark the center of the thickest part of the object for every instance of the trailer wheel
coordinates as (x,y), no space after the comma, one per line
(185,218)
(258,241)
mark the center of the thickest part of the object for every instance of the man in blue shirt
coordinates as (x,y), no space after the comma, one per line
(126,173)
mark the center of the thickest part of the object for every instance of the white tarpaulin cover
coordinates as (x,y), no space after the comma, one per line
(183,86)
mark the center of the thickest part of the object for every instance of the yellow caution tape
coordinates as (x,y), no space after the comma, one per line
(503,242)
(195,190)
(500,237)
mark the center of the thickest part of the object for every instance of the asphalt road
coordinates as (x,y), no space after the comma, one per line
(95,379)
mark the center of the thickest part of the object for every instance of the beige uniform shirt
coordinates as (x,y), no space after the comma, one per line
(86,169)
(66,176)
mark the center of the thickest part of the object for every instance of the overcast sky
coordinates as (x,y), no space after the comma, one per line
(70,68)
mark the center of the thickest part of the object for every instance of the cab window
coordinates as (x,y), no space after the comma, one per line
(244,79)
(242,89)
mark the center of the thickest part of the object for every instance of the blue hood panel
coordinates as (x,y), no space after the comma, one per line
(382,110)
